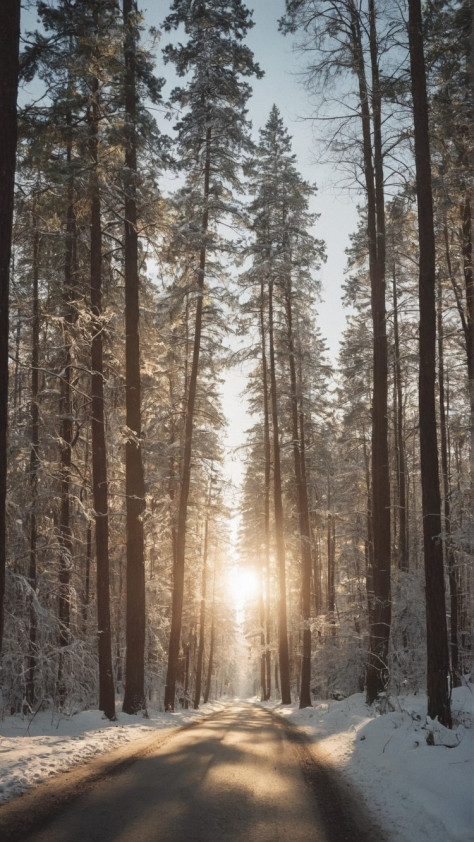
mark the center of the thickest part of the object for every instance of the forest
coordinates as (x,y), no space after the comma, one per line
(152,241)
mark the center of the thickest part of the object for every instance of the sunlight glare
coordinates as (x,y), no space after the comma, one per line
(242,585)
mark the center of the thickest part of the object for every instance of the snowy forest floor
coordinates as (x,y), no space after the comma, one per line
(416,791)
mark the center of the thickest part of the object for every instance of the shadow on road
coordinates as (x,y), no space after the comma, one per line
(238,776)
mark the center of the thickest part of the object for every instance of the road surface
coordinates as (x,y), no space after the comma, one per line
(238,776)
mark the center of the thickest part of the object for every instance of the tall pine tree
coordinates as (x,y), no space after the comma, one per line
(211,135)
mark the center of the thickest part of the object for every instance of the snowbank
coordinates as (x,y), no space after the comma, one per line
(415,790)
(32,750)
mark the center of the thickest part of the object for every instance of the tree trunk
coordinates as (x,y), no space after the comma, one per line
(283,652)
(466,222)
(202,613)
(317,584)
(436,626)
(331,570)
(403,558)
(369,542)
(210,665)
(266,677)
(134,697)
(178,573)
(380,615)
(99,451)
(302,506)
(66,415)
(88,554)
(34,471)
(187,651)
(9,50)
(448,545)
(17,384)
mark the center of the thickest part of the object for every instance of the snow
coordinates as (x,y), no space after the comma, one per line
(416,791)
(33,749)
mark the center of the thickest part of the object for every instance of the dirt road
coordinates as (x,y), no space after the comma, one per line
(240,776)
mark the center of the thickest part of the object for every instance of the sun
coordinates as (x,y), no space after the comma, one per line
(242,585)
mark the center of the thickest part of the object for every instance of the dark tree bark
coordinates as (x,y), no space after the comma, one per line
(66,415)
(466,222)
(34,471)
(283,652)
(99,451)
(9,50)
(380,613)
(179,565)
(436,625)
(134,697)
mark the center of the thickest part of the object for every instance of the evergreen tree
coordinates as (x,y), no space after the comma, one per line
(349,32)
(211,135)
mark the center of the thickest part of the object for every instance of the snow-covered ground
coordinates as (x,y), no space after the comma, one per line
(416,791)
(33,749)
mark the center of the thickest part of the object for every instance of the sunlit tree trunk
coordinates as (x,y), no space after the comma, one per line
(99,451)
(283,651)
(210,664)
